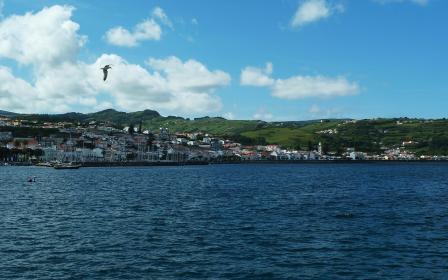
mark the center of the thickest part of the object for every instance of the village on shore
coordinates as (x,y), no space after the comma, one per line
(101,143)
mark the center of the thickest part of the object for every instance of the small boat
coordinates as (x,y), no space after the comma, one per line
(66,166)
(32,179)
(44,164)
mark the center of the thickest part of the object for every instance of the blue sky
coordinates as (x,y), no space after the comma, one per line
(271,60)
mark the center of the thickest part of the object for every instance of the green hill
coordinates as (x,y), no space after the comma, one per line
(7,114)
(422,136)
(109,115)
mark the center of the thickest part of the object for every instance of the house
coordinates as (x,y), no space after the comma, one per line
(272,148)
(49,154)
(5,136)
(23,143)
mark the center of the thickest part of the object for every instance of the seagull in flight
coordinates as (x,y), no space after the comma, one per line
(105,68)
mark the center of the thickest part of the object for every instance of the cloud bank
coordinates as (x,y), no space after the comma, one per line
(47,43)
(298,87)
(147,30)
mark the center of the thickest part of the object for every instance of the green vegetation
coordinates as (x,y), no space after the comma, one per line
(24,132)
(7,114)
(294,137)
(421,136)
(214,126)
(109,115)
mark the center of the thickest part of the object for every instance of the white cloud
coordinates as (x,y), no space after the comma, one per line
(308,86)
(147,30)
(10,86)
(314,10)
(131,87)
(298,87)
(47,42)
(189,76)
(61,83)
(159,14)
(173,86)
(251,76)
(45,38)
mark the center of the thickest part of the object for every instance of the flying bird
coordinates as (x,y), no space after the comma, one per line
(105,68)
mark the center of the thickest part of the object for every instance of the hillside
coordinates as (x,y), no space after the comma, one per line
(7,114)
(152,120)
(422,136)
(109,115)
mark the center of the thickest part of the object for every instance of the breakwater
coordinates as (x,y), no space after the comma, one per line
(141,163)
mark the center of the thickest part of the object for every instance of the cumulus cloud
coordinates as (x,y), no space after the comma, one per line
(314,10)
(147,30)
(144,31)
(298,87)
(252,76)
(46,41)
(189,76)
(130,86)
(308,86)
(60,82)
(159,13)
(10,86)
(172,85)
(47,37)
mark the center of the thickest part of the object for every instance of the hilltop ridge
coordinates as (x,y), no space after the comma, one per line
(428,136)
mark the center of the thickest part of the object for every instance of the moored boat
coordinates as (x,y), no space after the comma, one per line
(45,164)
(66,166)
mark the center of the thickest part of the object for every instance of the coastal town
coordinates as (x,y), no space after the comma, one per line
(101,143)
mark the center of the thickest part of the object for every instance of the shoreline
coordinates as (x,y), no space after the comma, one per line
(339,161)
(256,162)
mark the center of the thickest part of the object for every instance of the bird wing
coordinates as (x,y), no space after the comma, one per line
(105,74)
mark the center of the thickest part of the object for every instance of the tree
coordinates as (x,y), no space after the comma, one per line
(131,156)
(325,148)
(310,146)
(131,129)
(140,127)
(260,141)
(151,139)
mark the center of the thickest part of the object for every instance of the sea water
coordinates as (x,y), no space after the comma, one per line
(300,221)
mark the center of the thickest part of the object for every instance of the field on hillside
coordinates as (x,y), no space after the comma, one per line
(420,136)
(374,135)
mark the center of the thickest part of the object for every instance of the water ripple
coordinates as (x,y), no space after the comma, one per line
(373,221)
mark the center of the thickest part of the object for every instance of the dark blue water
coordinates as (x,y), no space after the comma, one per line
(363,221)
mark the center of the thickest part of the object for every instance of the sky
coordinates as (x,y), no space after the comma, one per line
(272,60)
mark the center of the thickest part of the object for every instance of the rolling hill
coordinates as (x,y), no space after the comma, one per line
(422,136)
(7,114)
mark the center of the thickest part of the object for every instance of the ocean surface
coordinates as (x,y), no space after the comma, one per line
(301,221)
